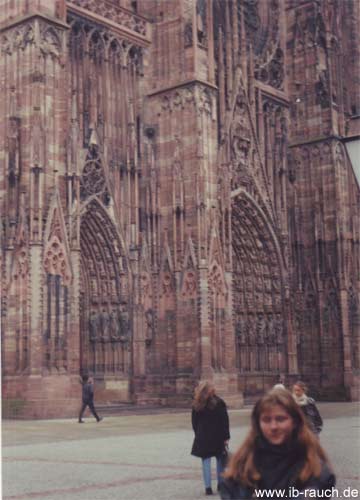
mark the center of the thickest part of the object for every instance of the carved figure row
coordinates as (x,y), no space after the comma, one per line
(187,96)
(109,327)
(258,329)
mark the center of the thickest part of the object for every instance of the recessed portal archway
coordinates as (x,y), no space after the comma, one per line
(258,292)
(106,326)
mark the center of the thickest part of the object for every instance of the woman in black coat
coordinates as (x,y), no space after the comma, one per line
(210,423)
(280,457)
(308,407)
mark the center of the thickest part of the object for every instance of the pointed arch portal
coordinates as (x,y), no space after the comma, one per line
(105,321)
(258,292)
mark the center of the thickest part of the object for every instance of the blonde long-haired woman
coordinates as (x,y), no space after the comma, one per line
(210,423)
(279,453)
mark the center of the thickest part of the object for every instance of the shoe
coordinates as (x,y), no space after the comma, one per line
(100,419)
(208,491)
(81,421)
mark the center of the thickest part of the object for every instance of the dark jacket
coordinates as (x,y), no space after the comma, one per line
(279,467)
(211,428)
(87,392)
(312,415)
(232,490)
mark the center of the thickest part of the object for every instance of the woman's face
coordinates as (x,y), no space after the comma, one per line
(298,391)
(276,425)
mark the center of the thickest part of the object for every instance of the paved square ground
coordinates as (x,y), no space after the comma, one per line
(138,457)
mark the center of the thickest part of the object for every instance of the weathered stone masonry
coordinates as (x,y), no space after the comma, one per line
(176,199)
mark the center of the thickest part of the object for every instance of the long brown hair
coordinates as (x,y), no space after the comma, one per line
(242,466)
(204,396)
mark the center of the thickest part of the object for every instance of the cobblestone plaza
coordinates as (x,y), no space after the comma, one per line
(140,457)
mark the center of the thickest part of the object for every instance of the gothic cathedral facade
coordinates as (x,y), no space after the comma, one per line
(177,200)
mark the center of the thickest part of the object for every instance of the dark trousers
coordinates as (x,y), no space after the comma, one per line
(90,404)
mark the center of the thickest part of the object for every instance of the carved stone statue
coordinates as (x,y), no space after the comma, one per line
(93,326)
(260,329)
(188,34)
(240,330)
(150,326)
(13,148)
(271,337)
(105,325)
(250,329)
(279,328)
(124,324)
(114,327)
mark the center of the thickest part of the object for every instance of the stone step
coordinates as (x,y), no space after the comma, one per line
(113,409)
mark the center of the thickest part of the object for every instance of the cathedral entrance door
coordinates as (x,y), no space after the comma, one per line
(106,330)
(259,312)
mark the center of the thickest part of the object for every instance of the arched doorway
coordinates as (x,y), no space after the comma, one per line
(258,294)
(105,302)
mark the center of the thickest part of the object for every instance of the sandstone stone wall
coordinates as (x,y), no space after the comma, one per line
(176,199)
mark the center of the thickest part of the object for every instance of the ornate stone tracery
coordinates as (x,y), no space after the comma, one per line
(56,259)
(189,287)
(269,57)
(240,141)
(101,43)
(18,38)
(261,20)
(180,98)
(218,295)
(110,11)
(99,56)
(58,279)
(49,39)
(92,180)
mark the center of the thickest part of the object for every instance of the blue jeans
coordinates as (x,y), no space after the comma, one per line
(206,468)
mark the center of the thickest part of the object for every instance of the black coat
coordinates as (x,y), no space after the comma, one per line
(233,490)
(312,415)
(87,392)
(279,467)
(211,428)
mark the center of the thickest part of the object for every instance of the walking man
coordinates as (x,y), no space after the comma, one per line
(88,398)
